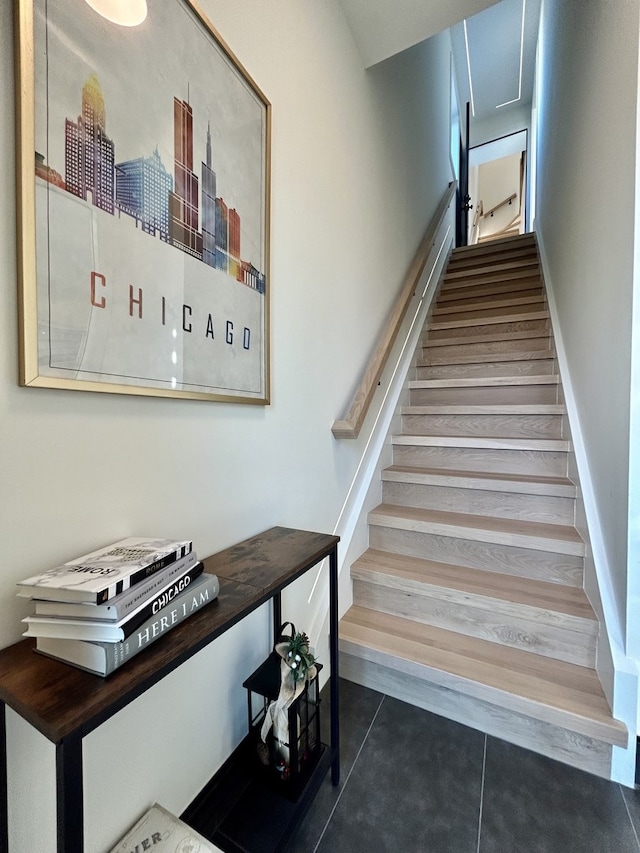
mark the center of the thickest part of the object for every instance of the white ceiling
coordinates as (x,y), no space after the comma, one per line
(382,28)
(496,40)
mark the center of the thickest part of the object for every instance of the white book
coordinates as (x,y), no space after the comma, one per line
(124,604)
(105,573)
(113,632)
(162,832)
(103,658)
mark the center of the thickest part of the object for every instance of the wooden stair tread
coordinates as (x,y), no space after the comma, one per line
(488,301)
(471,259)
(527,243)
(444,359)
(488,337)
(482,442)
(487,304)
(518,483)
(554,691)
(477,311)
(505,286)
(486,381)
(530,276)
(490,267)
(521,240)
(537,535)
(490,321)
(497,331)
(486,409)
(557,598)
(488,292)
(503,367)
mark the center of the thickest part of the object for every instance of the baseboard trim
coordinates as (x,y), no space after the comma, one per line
(625,675)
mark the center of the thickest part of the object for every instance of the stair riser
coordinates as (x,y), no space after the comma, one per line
(480,295)
(476,689)
(478,298)
(478,322)
(559,488)
(535,367)
(512,536)
(480,312)
(502,244)
(512,426)
(543,463)
(531,276)
(539,508)
(506,559)
(516,269)
(442,353)
(579,751)
(539,326)
(478,618)
(451,293)
(488,395)
(481,309)
(482,256)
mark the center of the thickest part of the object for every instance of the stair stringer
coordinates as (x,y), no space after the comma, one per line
(617,671)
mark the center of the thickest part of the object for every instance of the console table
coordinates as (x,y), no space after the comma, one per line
(65,703)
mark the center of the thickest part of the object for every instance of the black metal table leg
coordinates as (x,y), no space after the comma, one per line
(4,787)
(70,817)
(277,615)
(333,655)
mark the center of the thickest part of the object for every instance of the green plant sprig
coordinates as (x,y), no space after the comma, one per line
(298,657)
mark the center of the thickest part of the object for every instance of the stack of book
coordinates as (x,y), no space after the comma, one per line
(98,611)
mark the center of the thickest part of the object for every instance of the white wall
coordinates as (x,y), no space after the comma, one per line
(360,162)
(503,123)
(506,123)
(497,180)
(585,220)
(502,147)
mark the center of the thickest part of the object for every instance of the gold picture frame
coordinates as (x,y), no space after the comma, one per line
(143,188)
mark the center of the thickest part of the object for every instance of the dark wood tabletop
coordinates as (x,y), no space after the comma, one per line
(60,700)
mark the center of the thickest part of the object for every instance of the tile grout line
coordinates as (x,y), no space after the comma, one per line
(626,805)
(484,764)
(346,781)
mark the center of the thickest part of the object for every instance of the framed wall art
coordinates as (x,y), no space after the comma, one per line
(144,195)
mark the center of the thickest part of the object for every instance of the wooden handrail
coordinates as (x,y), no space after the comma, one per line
(500,204)
(479,212)
(350,425)
(475,228)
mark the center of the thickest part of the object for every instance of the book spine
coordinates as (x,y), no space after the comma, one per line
(203,591)
(162,599)
(136,577)
(125,604)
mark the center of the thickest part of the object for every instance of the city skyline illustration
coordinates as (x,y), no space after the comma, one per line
(182,209)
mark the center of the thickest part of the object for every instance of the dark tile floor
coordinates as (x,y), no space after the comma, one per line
(413,782)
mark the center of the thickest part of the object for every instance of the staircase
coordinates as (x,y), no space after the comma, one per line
(469,601)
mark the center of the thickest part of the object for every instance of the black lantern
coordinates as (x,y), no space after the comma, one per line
(288,760)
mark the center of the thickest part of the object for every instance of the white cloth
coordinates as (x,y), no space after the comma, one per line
(277,715)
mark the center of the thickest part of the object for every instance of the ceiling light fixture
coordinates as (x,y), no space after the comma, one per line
(515,100)
(466,44)
(127,13)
